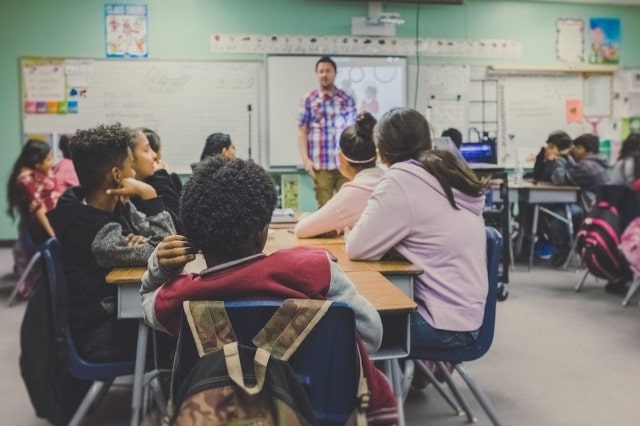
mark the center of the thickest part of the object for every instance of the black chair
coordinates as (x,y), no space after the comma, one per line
(476,350)
(101,374)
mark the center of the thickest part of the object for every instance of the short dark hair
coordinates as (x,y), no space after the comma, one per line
(63,145)
(356,142)
(589,142)
(402,134)
(328,60)
(225,203)
(214,145)
(454,135)
(560,139)
(95,151)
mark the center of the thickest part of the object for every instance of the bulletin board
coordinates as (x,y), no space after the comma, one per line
(184,101)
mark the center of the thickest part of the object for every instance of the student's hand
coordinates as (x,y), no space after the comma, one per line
(160,165)
(134,240)
(308,166)
(130,187)
(174,252)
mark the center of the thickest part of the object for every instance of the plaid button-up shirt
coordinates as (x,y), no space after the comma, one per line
(325,116)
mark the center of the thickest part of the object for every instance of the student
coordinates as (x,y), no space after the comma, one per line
(32,190)
(63,170)
(454,135)
(216,144)
(148,170)
(227,206)
(428,208)
(626,171)
(357,163)
(582,168)
(156,146)
(100,230)
(557,150)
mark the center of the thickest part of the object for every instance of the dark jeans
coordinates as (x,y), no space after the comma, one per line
(559,232)
(424,336)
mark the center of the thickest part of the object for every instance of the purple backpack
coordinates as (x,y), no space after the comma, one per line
(597,242)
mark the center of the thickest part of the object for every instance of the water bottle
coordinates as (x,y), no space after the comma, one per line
(519,173)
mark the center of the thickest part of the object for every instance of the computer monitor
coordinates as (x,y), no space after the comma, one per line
(479,152)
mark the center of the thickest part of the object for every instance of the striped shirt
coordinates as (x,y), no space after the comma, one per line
(325,116)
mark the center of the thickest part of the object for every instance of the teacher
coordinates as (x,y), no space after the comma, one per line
(325,112)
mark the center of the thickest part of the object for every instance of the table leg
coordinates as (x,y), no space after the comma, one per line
(567,210)
(138,375)
(534,233)
(391,369)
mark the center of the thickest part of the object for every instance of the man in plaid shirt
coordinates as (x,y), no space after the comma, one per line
(325,112)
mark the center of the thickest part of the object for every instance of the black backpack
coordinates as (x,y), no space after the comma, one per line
(54,393)
(598,237)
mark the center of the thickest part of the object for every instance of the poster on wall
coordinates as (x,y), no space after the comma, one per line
(126,30)
(605,40)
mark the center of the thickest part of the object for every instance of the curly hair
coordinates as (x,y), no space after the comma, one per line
(95,151)
(33,153)
(225,203)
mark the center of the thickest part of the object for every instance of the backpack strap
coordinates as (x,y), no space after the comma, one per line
(290,325)
(209,324)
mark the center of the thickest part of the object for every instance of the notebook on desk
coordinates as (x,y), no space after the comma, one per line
(284,216)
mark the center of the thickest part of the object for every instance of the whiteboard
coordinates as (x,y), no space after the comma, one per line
(290,78)
(531,107)
(184,101)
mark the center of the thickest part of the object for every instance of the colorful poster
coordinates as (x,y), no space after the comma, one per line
(605,40)
(126,30)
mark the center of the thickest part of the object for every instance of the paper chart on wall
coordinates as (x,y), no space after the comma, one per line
(570,40)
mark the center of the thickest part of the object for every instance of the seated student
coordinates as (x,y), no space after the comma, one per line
(556,150)
(454,135)
(582,168)
(356,162)
(226,209)
(626,171)
(216,144)
(428,208)
(100,230)
(148,170)
(156,146)
(32,190)
(63,170)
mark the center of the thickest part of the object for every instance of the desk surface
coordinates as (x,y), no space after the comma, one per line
(384,296)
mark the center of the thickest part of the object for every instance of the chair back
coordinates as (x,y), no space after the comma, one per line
(623,198)
(326,363)
(58,290)
(485,336)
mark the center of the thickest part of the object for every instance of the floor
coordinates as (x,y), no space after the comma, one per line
(559,358)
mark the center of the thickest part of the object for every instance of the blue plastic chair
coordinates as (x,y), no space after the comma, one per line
(326,363)
(102,374)
(482,344)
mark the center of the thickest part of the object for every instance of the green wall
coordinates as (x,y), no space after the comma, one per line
(181,29)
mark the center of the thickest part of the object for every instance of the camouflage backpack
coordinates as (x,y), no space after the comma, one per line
(232,384)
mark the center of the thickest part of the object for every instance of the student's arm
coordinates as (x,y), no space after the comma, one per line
(333,216)
(368,321)
(41,216)
(560,171)
(113,250)
(165,263)
(165,187)
(383,224)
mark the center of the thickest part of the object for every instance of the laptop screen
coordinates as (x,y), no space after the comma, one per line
(478,152)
